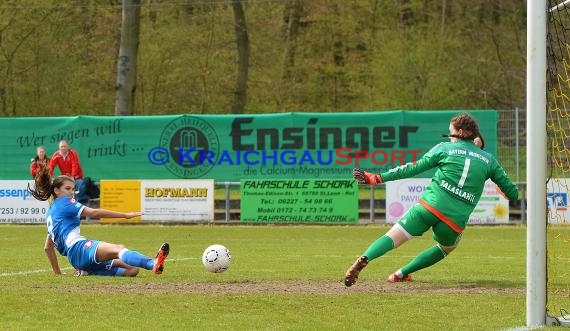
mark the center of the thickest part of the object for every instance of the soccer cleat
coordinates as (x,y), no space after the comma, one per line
(351,274)
(161,258)
(393,278)
(79,273)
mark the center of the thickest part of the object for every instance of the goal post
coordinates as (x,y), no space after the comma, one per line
(547,93)
(536,163)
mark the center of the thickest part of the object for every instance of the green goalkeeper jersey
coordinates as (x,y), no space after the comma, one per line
(456,187)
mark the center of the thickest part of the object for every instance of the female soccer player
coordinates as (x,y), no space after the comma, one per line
(89,257)
(444,206)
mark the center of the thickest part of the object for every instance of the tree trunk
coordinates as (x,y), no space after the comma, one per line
(406,14)
(127,62)
(293,12)
(242,41)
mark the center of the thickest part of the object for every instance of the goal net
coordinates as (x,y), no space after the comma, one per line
(558,165)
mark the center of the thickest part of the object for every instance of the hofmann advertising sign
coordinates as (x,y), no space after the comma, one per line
(184,201)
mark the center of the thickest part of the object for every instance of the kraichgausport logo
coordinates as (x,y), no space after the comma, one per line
(191,135)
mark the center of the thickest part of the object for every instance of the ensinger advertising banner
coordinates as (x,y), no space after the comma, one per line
(233,147)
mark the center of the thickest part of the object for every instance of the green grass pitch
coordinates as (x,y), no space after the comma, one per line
(281,278)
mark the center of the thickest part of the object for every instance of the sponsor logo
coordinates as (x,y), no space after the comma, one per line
(558,200)
(180,146)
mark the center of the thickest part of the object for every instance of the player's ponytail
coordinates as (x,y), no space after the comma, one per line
(42,184)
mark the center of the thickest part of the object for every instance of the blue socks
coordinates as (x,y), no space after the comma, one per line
(136,259)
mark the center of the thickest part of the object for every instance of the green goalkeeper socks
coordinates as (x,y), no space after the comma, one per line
(380,247)
(425,259)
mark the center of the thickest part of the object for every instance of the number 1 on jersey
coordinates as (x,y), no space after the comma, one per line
(464,174)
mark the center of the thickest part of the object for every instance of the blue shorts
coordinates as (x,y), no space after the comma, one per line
(82,256)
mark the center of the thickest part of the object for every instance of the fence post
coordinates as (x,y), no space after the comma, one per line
(517,143)
(523,204)
(372,204)
(517,167)
(227,185)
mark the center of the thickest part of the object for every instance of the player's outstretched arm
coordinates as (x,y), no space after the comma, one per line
(49,248)
(366,178)
(104,213)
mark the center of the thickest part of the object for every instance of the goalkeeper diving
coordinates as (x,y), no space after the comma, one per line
(462,168)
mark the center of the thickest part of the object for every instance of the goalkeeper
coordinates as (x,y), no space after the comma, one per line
(444,206)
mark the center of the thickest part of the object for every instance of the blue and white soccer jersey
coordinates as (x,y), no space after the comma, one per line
(63,220)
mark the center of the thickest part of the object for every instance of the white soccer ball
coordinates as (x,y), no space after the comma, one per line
(216,258)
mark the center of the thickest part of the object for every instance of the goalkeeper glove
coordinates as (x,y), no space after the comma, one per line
(364,177)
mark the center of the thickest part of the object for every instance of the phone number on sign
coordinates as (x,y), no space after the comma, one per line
(22,211)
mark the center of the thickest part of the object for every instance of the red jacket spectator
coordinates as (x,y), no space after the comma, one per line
(67,160)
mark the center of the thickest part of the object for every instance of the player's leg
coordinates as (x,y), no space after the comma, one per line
(113,267)
(129,270)
(410,225)
(447,240)
(82,256)
(107,251)
(108,259)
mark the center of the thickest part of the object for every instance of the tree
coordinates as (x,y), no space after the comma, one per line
(192,56)
(127,61)
(242,42)
(12,47)
(292,17)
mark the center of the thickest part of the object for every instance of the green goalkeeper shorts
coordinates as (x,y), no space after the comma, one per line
(418,220)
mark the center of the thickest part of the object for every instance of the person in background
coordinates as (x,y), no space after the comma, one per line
(67,160)
(462,168)
(40,160)
(87,256)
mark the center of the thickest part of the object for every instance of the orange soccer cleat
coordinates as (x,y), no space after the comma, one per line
(161,258)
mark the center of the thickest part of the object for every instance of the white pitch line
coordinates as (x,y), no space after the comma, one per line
(522,328)
(496,257)
(25,273)
(183,259)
